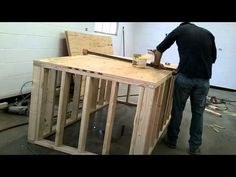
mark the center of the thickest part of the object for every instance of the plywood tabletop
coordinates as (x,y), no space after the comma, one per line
(110,68)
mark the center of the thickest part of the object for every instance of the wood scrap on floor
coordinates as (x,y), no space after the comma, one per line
(216,127)
(213,112)
(3,105)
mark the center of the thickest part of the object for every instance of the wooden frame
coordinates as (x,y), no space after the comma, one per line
(152,113)
(77,41)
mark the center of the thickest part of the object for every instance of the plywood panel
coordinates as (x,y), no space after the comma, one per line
(76,42)
(110,67)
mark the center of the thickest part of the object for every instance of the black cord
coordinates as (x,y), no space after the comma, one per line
(23,87)
(14,126)
(228,100)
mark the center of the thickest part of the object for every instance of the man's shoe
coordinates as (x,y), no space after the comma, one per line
(194,151)
(168,143)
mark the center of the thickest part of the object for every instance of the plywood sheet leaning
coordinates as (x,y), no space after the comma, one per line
(77,41)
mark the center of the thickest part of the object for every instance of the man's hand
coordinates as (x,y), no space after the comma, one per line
(157,57)
(174,72)
(160,66)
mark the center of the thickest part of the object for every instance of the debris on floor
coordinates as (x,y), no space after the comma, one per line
(230,113)
(213,112)
(216,127)
(3,105)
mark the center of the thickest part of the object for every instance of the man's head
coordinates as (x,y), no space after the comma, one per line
(184,23)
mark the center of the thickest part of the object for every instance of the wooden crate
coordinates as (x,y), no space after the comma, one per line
(152,112)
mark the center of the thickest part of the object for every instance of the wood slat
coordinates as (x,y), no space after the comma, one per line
(136,120)
(63,148)
(76,96)
(108,91)
(169,100)
(85,114)
(62,108)
(160,109)
(42,103)
(94,93)
(51,89)
(153,119)
(128,93)
(157,108)
(102,92)
(35,99)
(164,101)
(143,131)
(110,118)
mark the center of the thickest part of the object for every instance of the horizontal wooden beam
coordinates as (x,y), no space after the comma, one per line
(62,148)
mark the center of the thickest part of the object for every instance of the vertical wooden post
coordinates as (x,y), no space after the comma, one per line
(108,91)
(128,93)
(76,96)
(62,109)
(164,101)
(85,113)
(101,92)
(136,120)
(159,107)
(37,103)
(110,118)
(50,101)
(95,93)
(143,131)
(42,104)
(153,119)
(168,103)
(168,112)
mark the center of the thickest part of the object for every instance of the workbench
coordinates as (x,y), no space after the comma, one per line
(103,76)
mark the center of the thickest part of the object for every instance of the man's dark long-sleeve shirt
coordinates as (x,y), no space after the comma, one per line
(197,50)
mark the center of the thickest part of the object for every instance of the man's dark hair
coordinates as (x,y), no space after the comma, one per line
(184,23)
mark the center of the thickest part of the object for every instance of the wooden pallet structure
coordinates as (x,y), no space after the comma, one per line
(103,77)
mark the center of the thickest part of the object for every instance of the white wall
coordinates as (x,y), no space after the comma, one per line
(21,43)
(118,40)
(149,35)
(224,71)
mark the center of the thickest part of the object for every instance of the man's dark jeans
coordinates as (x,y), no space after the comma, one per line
(197,90)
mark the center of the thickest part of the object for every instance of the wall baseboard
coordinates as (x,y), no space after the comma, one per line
(222,88)
(13,98)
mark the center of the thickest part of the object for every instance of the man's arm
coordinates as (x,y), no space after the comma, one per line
(157,57)
(157,60)
(168,41)
(163,46)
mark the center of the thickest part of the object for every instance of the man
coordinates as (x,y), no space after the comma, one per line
(197,53)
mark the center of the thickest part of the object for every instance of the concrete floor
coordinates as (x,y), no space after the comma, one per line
(14,141)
